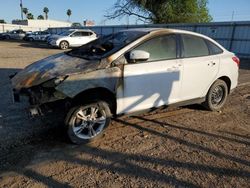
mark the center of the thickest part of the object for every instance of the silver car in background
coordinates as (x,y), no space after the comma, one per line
(15,34)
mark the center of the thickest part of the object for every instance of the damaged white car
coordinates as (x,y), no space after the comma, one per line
(126,72)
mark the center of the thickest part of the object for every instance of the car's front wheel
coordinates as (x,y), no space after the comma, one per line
(216,96)
(87,122)
(64,45)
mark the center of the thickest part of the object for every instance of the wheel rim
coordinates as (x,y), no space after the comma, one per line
(89,121)
(218,95)
(64,45)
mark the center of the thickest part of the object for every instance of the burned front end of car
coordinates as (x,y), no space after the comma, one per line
(39,81)
(42,98)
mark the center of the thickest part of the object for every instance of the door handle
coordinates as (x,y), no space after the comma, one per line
(172,69)
(212,63)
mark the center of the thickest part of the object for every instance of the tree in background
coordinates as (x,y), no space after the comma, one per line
(40,17)
(46,11)
(25,11)
(162,11)
(69,12)
(2,21)
(30,16)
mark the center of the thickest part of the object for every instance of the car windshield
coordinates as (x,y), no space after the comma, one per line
(65,33)
(106,45)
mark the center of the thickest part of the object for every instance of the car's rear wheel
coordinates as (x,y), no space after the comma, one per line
(86,123)
(31,39)
(216,96)
(64,45)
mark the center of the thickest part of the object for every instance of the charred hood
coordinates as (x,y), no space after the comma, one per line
(52,67)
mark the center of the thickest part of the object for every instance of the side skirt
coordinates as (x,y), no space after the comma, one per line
(182,103)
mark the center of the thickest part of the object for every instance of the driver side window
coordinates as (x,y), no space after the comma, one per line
(160,48)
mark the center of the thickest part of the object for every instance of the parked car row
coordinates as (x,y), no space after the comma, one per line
(64,40)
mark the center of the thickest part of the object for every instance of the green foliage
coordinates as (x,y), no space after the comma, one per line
(40,17)
(2,21)
(25,11)
(69,12)
(163,11)
(46,11)
(30,16)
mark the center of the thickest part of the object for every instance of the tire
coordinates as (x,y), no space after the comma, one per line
(81,121)
(31,39)
(7,37)
(216,96)
(64,45)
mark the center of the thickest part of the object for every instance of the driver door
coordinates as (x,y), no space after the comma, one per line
(154,82)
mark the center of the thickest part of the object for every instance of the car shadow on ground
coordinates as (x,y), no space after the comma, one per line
(129,164)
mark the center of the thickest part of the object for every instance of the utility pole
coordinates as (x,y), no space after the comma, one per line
(21,6)
(232,16)
(127,18)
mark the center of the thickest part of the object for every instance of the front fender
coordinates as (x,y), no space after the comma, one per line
(106,78)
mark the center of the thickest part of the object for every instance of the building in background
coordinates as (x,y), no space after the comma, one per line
(42,23)
(88,23)
(33,25)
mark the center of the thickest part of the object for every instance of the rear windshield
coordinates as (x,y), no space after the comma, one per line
(106,45)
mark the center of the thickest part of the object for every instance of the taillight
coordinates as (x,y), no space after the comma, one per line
(236,60)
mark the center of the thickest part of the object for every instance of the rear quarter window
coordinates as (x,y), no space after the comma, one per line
(194,46)
(213,48)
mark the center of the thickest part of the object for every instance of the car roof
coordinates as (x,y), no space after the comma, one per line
(81,30)
(165,30)
(173,31)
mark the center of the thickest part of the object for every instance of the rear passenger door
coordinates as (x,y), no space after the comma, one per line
(200,67)
(86,37)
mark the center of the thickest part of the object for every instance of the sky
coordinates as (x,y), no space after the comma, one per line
(221,10)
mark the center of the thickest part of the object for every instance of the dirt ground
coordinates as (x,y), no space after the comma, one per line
(178,147)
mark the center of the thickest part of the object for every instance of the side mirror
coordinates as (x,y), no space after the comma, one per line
(138,55)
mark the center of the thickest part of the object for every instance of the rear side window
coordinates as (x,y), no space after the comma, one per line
(213,48)
(160,48)
(86,34)
(194,46)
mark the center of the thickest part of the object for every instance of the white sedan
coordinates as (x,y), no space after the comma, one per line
(127,72)
(72,38)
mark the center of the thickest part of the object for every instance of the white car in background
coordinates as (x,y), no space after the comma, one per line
(72,38)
